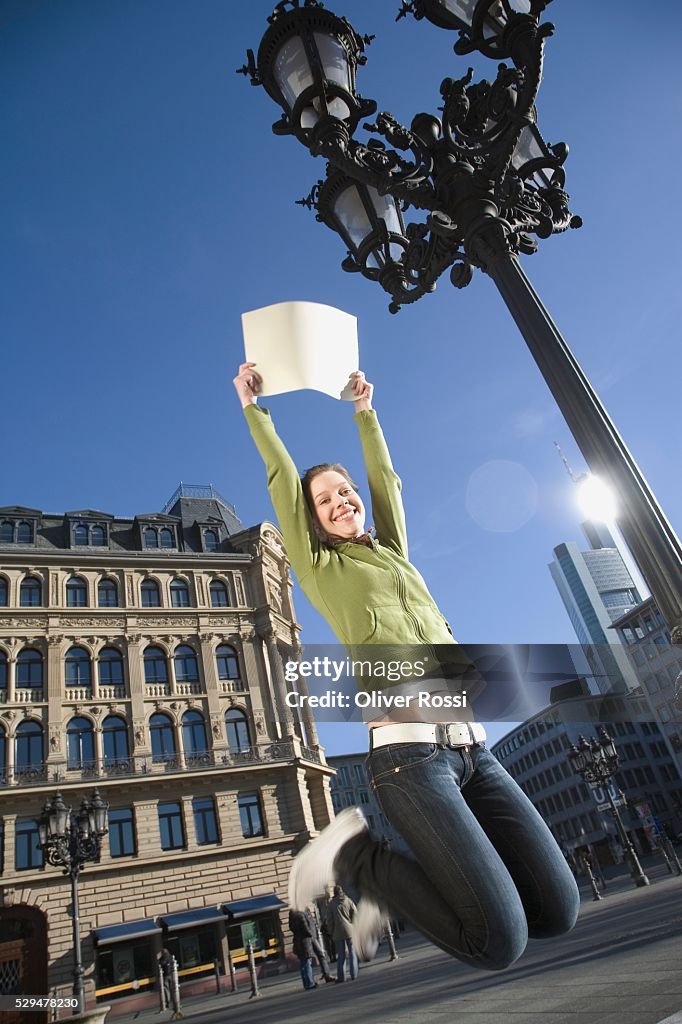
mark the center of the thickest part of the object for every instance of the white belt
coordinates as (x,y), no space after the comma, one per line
(447,734)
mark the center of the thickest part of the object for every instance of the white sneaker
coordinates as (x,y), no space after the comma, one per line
(313,868)
(369,925)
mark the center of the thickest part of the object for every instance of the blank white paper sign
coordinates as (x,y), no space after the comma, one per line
(299,345)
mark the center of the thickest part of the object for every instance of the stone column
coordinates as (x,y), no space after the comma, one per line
(172,642)
(284,715)
(141,739)
(56,755)
(312,739)
(12,670)
(257,686)
(188,816)
(97,646)
(210,675)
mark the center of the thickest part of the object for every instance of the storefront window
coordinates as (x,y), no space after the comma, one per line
(192,948)
(262,932)
(124,968)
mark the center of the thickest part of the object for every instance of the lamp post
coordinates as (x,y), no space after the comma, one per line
(490,186)
(70,841)
(597,761)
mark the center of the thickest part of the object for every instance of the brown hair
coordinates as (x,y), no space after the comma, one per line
(306,482)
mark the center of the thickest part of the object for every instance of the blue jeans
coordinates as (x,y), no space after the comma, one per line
(307,971)
(343,947)
(486,872)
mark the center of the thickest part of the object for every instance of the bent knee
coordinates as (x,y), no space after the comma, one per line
(557,919)
(504,948)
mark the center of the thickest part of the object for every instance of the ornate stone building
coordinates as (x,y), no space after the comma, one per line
(144,657)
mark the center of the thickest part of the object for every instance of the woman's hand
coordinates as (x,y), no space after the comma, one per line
(247,384)
(363,391)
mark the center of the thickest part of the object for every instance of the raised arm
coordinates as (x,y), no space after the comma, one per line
(384,483)
(300,541)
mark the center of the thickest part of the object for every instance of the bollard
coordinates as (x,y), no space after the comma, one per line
(391,942)
(252,972)
(175,993)
(162,989)
(596,895)
(666,858)
(676,866)
(233,973)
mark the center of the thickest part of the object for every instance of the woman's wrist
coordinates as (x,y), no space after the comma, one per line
(362,405)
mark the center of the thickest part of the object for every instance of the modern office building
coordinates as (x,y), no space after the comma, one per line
(596,588)
(350,788)
(143,656)
(536,755)
(657,664)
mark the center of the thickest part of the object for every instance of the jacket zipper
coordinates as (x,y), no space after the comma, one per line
(401,594)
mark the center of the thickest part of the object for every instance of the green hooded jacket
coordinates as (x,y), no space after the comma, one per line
(369,594)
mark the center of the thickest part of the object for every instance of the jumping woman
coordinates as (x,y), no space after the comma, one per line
(485,871)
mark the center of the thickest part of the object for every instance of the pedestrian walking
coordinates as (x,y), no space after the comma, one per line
(318,948)
(300,928)
(165,962)
(341,913)
(485,871)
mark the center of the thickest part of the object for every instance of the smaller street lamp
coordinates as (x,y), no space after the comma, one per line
(497,28)
(69,842)
(596,760)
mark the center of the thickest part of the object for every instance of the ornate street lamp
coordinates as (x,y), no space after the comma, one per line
(490,187)
(597,761)
(69,842)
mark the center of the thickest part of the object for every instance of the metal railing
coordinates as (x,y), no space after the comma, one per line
(149,764)
(205,491)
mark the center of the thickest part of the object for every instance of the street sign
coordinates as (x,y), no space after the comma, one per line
(601,795)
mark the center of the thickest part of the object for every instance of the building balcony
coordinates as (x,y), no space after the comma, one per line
(185,689)
(32,695)
(144,766)
(231,686)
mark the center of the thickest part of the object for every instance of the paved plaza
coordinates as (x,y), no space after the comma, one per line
(622,964)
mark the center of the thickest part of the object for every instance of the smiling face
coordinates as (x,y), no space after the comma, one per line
(338,508)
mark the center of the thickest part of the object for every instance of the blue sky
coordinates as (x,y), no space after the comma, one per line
(146,204)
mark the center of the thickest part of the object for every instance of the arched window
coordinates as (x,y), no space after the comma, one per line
(227,661)
(3,757)
(210,540)
(219,595)
(76,592)
(29,669)
(194,740)
(107,594)
(6,532)
(179,592)
(29,747)
(155,667)
(150,537)
(163,738)
(80,535)
(167,538)
(110,667)
(80,743)
(4,592)
(186,668)
(115,740)
(24,533)
(78,671)
(150,594)
(3,670)
(31,593)
(98,536)
(237,729)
